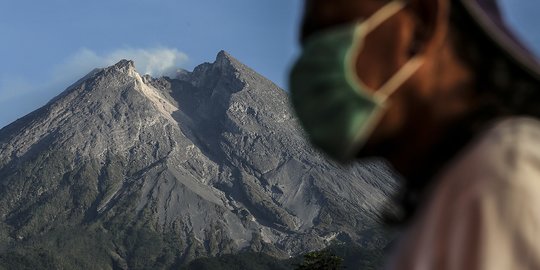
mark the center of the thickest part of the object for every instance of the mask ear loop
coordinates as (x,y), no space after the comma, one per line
(399,78)
(381,95)
(362,30)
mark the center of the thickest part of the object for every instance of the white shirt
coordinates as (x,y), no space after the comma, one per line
(484,212)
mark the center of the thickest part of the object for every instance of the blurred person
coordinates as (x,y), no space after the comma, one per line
(445,92)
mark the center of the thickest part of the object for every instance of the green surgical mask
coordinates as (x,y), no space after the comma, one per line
(337,110)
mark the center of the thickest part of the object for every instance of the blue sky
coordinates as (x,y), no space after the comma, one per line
(47,45)
(523,17)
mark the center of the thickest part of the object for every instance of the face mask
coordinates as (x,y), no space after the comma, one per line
(337,110)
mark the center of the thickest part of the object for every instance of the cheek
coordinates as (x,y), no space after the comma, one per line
(378,60)
(393,121)
(409,107)
(443,90)
(385,51)
(424,82)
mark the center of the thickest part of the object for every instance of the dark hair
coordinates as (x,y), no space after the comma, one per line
(508,88)
(504,89)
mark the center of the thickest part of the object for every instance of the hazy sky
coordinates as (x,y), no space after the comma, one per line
(47,45)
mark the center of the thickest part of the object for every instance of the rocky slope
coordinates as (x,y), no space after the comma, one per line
(128,171)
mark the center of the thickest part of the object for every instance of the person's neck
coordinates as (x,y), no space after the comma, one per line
(427,151)
(425,148)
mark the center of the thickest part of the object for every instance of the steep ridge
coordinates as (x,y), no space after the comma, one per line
(211,162)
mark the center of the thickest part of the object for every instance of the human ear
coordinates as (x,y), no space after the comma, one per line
(431,24)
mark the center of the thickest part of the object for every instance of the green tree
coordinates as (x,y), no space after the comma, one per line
(320,260)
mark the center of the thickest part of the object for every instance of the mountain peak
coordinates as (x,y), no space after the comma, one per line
(223,55)
(121,162)
(223,59)
(124,65)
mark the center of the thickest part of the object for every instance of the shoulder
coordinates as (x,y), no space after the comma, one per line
(507,151)
(502,166)
(482,212)
(511,134)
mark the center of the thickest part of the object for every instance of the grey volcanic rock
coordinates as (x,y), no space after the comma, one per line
(210,162)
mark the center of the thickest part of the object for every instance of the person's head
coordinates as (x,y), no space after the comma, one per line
(462,70)
(465,78)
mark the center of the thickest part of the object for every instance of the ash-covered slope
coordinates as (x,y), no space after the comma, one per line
(211,162)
